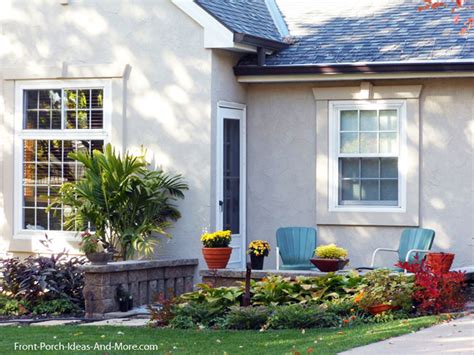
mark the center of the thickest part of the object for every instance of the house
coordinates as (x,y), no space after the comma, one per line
(355,117)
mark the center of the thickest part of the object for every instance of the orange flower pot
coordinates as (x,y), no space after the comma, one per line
(216,258)
(439,262)
(379,308)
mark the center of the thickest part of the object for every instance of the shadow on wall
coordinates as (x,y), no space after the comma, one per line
(168,91)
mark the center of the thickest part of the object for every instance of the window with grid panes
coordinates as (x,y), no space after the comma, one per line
(55,123)
(368,155)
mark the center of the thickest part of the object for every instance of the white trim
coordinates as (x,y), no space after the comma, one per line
(290,78)
(21,134)
(277,17)
(333,181)
(240,114)
(216,35)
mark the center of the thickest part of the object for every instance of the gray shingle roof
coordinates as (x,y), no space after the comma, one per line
(370,31)
(243,16)
(350,31)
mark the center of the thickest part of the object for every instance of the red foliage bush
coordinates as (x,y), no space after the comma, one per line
(435,291)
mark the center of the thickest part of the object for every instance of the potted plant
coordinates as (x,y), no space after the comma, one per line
(383,290)
(216,249)
(258,250)
(93,248)
(439,262)
(330,258)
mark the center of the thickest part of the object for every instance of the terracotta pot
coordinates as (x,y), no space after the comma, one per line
(100,258)
(257,261)
(439,262)
(329,265)
(379,308)
(217,258)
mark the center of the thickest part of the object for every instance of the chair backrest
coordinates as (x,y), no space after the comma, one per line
(415,238)
(296,244)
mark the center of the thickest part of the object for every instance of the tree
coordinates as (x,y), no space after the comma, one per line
(458,7)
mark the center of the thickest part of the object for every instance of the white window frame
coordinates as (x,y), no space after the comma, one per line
(333,184)
(59,134)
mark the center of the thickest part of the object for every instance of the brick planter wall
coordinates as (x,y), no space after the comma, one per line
(144,279)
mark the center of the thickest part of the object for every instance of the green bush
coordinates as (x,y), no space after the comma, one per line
(182,322)
(199,313)
(247,317)
(56,307)
(301,316)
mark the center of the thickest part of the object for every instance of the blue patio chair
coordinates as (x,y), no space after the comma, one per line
(414,244)
(295,246)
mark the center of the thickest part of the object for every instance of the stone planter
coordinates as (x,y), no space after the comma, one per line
(216,258)
(100,258)
(329,265)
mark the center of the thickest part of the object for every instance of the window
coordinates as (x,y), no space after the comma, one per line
(54,119)
(366,154)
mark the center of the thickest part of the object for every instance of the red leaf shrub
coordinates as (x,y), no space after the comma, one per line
(436,291)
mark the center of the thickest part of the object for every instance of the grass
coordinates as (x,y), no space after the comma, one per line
(170,341)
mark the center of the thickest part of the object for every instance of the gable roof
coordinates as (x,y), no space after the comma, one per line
(251,17)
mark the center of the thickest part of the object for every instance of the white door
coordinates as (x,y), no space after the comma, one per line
(230,179)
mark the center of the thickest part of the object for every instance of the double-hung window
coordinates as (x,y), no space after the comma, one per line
(366,155)
(53,119)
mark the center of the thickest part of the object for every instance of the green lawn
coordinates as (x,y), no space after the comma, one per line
(169,341)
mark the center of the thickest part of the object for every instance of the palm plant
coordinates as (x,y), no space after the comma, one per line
(122,200)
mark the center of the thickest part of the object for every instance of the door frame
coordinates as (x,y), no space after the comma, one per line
(243,170)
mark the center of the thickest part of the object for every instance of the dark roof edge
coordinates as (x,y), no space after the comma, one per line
(258,41)
(369,68)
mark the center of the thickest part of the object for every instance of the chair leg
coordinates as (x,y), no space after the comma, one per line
(278,258)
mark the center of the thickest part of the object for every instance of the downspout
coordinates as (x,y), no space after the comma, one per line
(260,56)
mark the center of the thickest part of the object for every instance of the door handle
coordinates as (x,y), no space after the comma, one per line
(221,203)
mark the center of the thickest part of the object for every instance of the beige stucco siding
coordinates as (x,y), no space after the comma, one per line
(281,170)
(165,102)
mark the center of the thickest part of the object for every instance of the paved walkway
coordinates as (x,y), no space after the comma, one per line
(455,337)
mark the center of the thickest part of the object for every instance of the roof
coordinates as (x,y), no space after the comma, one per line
(328,32)
(251,17)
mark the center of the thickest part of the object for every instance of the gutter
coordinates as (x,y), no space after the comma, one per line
(259,41)
(365,68)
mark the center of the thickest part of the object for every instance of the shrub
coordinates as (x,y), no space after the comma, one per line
(330,251)
(219,297)
(301,316)
(436,292)
(386,287)
(12,307)
(247,317)
(199,313)
(124,200)
(56,307)
(42,278)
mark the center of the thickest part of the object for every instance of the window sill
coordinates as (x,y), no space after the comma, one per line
(369,209)
(25,234)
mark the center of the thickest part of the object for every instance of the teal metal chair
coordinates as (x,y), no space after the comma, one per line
(414,244)
(295,246)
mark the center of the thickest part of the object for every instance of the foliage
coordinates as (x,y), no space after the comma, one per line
(385,287)
(164,314)
(219,298)
(301,316)
(276,290)
(247,317)
(204,314)
(218,239)
(42,278)
(436,292)
(12,307)
(330,251)
(56,307)
(457,7)
(259,247)
(124,200)
(89,242)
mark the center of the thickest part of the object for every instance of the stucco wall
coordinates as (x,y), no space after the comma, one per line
(166,100)
(281,170)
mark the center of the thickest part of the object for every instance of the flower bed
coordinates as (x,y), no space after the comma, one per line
(305,302)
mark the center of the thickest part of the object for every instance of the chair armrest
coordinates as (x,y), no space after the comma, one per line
(411,251)
(381,249)
(278,258)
